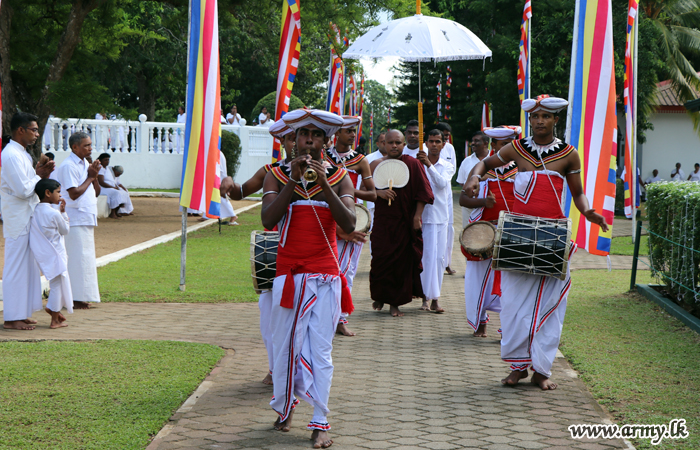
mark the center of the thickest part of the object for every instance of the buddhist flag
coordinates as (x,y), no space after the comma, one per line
(524,66)
(290,45)
(591,120)
(631,177)
(200,166)
(485,116)
(439,99)
(335,102)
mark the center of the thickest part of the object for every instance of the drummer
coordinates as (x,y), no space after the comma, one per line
(350,245)
(533,306)
(482,288)
(238,192)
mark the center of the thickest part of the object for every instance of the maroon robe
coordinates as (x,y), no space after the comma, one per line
(397,250)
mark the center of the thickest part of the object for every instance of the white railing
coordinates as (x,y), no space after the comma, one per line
(134,142)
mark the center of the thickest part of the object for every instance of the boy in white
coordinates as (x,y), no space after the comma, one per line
(48,226)
(435,219)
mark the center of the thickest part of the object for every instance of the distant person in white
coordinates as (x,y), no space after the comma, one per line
(180,135)
(264,118)
(21,278)
(79,179)
(226,208)
(116,134)
(448,154)
(128,208)
(412,139)
(233,118)
(652,179)
(49,225)
(435,223)
(100,137)
(46,139)
(480,150)
(695,175)
(116,197)
(677,174)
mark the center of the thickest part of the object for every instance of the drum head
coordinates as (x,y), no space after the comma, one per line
(478,237)
(393,170)
(263,259)
(363,221)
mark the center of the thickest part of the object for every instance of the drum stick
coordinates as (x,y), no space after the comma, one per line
(391,185)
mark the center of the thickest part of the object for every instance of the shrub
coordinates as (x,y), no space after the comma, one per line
(231,148)
(673,211)
(269,102)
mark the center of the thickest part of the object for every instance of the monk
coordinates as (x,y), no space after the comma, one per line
(397,242)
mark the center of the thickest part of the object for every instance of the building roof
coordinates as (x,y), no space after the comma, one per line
(666,100)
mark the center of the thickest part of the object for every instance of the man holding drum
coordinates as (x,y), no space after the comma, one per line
(306,200)
(350,244)
(482,285)
(533,306)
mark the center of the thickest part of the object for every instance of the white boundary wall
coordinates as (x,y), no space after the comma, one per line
(672,140)
(151,152)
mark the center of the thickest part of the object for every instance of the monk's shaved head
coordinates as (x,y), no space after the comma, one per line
(392,134)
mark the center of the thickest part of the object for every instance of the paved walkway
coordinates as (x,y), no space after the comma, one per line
(413,383)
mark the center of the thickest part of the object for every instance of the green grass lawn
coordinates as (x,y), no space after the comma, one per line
(623,245)
(218,268)
(95,395)
(638,361)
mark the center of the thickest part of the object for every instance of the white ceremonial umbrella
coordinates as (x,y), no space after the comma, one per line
(419,38)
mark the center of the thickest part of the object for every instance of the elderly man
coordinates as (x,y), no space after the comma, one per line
(21,278)
(309,290)
(116,197)
(79,178)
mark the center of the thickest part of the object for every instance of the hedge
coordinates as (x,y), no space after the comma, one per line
(673,211)
(269,102)
(231,148)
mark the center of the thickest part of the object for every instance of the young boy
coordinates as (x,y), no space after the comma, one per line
(48,226)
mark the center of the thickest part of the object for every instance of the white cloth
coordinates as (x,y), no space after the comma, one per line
(304,335)
(349,259)
(72,173)
(695,176)
(448,154)
(532,317)
(226,208)
(21,278)
(262,117)
(467,165)
(677,175)
(410,152)
(233,120)
(128,207)
(330,123)
(17,181)
(478,296)
(434,236)
(82,266)
(48,226)
(265,306)
(370,159)
(652,179)
(180,134)
(115,196)
(439,176)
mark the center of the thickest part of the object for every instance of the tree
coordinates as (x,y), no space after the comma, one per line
(377,99)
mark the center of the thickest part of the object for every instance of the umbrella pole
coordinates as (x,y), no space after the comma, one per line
(420,111)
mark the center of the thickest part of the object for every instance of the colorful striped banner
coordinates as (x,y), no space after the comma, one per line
(630,176)
(335,101)
(199,188)
(524,67)
(485,115)
(592,120)
(290,47)
(361,103)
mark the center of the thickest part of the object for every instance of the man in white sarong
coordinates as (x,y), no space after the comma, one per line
(238,192)
(480,150)
(533,306)
(21,278)
(435,221)
(48,226)
(128,208)
(116,197)
(227,211)
(309,290)
(350,244)
(449,155)
(79,179)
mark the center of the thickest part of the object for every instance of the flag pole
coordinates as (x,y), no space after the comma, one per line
(633,144)
(183,237)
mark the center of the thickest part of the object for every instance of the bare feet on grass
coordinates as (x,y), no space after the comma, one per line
(377,306)
(17,325)
(481,331)
(268,379)
(57,319)
(286,425)
(81,305)
(394,310)
(425,306)
(436,308)
(514,377)
(321,439)
(344,330)
(543,382)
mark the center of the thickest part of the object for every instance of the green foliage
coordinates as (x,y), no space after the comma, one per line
(673,210)
(218,268)
(377,99)
(95,395)
(231,148)
(268,101)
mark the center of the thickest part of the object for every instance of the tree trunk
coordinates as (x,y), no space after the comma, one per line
(147,99)
(8,103)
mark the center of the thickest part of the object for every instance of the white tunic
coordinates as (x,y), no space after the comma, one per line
(695,176)
(677,175)
(17,181)
(226,208)
(115,196)
(72,173)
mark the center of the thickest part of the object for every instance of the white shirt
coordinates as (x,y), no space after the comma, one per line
(439,175)
(695,176)
(678,175)
(410,152)
(108,175)
(236,119)
(17,190)
(448,154)
(182,118)
(72,173)
(99,116)
(262,118)
(467,165)
(370,159)
(652,179)
(46,239)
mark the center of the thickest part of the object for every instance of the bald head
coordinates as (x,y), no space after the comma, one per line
(394,143)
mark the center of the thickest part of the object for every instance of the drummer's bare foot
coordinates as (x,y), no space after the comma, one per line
(344,330)
(321,439)
(514,377)
(286,425)
(543,382)
(377,306)
(425,306)
(435,307)
(449,270)
(268,379)
(481,331)
(395,311)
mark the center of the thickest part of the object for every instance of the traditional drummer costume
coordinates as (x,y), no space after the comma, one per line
(533,306)
(348,252)
(482,284)
(307,290)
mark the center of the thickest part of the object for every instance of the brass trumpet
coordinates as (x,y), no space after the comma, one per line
(310,174)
